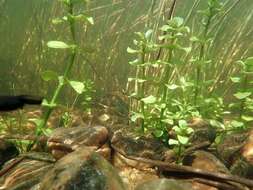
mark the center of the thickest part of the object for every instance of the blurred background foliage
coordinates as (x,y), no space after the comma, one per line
(26,26)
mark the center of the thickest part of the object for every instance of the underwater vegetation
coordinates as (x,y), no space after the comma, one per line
(180,65)
(164,100)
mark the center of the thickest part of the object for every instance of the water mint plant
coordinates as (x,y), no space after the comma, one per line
(152,109)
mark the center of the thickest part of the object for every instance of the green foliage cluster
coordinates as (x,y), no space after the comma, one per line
(161,105)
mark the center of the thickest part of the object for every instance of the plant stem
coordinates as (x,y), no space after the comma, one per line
(142,57)
(170,15)
(165,79)
(201,58)
(244,88)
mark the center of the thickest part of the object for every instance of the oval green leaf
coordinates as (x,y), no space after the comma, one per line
(242,95)
(158,133)
(57,45)
(173,142)
(183,140)
(77,86)
(149,100)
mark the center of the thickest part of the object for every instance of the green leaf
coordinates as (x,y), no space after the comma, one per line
(186,49)
(183,140)
(89,20)
(65,18)
(240,63)
(77,86)
(173,142)
(149,100)
(49,75)
(172,86)
(136,116)
(158,133)
(165,28)
(83,17)
(47,131)
(176,129)
(242,95)
(57,21)
(195,39)
(148,34)
(57,45)
(237,124)
(249,61)
(176,22)
(168,121)
(135,62)
(235,79)
(185,29)
(217,124)
(182,123)
(132,51)
(247,118)
(189,130)
(249,65)
(140,34)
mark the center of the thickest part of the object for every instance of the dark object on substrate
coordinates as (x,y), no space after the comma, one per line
(10,103)
(7,151)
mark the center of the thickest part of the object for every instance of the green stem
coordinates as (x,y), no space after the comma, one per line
(142,86)
(166,79)
(198,86)
(244,88)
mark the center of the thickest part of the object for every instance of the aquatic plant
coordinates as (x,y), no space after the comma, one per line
(244,93)
(203,41)
(154,114)
(163,99)
(244,104)
(144,47)
(71,18)
(183,131)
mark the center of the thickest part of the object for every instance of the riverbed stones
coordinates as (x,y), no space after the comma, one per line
(82,169)
(25,171)
(66,140)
